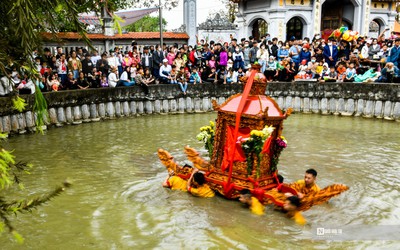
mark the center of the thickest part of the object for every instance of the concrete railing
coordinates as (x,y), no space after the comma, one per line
(75,107)
(347,99)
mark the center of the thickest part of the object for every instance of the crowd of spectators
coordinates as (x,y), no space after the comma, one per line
(362,60)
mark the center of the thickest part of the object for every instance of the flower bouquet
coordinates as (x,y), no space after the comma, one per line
(278,146)
(207,136)
(253,146)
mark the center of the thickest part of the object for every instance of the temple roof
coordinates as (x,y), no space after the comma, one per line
(129,16)
(255,105)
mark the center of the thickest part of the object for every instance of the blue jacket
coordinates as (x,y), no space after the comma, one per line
(327,52)
(394,55)
(305,55)
(282,52)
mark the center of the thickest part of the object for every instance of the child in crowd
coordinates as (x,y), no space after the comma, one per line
(173,75)
(212,77)
(139,80)
(350,73)
(324,73)
(341,72)
(332,76)
(195,77)
(302,74)
(211,62)
(104,81)
(318,70)
(53,82)
(228,76)
(237,75)
(182,80)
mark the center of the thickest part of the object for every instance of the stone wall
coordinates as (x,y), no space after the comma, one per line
(347,99)
(75,107)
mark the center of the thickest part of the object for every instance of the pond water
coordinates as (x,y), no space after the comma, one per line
(117,201)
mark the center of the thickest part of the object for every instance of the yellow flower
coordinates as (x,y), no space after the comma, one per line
(212,124)
(257,133)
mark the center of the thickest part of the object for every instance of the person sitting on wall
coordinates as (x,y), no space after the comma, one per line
(194,76)
(141,81)
(165,71)
(290,208)
(182,80)
(125,78)
(5,84)
(175,182)
(197,186)
(252,203)
(389,73)
(113,78)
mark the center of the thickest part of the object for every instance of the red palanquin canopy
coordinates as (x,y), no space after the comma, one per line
(254,105)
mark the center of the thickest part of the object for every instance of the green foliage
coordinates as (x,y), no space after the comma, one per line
(117,23)
(146,24)
(19,103)
(9,175)
(40,108)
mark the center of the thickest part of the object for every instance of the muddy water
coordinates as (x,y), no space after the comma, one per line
(117,201)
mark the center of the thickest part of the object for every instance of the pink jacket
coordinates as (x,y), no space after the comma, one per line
(126,61)
(171,58)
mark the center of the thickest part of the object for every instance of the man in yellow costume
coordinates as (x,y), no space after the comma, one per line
(175,182)
(308,185)
(197,185)
(253,203)
(291,206)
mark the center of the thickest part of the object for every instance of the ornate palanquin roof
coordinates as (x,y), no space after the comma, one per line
(255,105)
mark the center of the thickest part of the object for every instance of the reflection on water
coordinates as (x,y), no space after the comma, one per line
(117,201)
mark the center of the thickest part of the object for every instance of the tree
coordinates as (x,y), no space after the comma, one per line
(10,171)
(146,24)
(23,20)
(231,8)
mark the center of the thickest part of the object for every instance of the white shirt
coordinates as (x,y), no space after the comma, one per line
(112,80)
(364,51)
(263,54)
(124,76)
(94,59)
(113,61)
(5,86)
(164,68)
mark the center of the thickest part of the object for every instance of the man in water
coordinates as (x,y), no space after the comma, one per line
(197,186)
(308,185)
(175,182)
(291,209)
(253,203)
